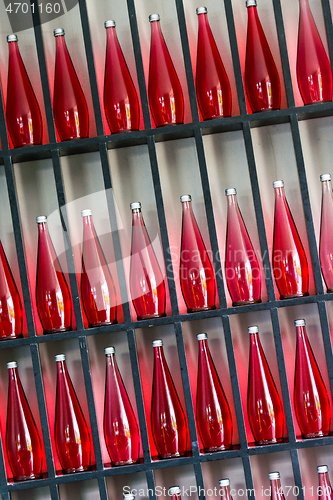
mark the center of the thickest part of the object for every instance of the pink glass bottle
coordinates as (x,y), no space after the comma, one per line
(290,266)
(146,280)
(262,81)
(241,264)
(120,426)
(263,402)
(168,423)
(10,303)
(312,405)
(197,276)
(313,69)
(53,298)
(325,489)
(23,116)
(212,83)
(212,410)
(224,491)
(97,288)
(174,493)
(72,436)
(121,102)
(23,445)
(276,489)
(164,90)
(326,231)
(69,104)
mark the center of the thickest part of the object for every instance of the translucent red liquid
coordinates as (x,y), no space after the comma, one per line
(10,303)
(325,489)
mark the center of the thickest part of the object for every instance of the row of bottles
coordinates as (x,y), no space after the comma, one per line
(165,94)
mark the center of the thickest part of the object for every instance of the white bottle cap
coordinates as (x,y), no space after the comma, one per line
(110,24)
(12,38)
(202,336)
(253,329)
(109,350)
(174,490)
(59,32)
(185,197)
(128,496)
(325,177)
(136,205)
(278,184)
(274,475)
(251,3)
(224,482)
(41,218)
(230,191)
(299,322)
(86,212)
(60,357)
(201,10)
(12,364)
(157,343)
(322,468)
(154,17)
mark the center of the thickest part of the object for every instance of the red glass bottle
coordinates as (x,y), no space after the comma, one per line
(290,265)
(53,298)
(168,421)
(212,83)
(10,303)
(241,264)
(326,231)
(120,426)
(164,90)
(276,489)
(174,493)
(197,276)
(313,69)
(97,288)
(146,279)
(69,104)
(72,436)
(23,445)
(212,410)
(121,102)
(312,405)
(264,406)
(224,491)
(23,115)
(262,81)
(325,489)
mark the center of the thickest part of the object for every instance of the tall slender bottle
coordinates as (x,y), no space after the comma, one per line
(53,298)
(164,90)
(168,421)
(121,102)
(212,410)
(197,276)
(326,231)
(290,265)
(263,402)
(23,445)
(10,303)
(276,489)
(175,493)
(120,426)
(241,264)
(69,104)
(23,115)
(224,485)
(325,491)
(212,83)
(146,279)
(262,81)
(312,406)
(97,288)
(72,436)
(313,69)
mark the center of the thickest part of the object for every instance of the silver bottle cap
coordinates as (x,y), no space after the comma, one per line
(12,38)
(174,490)
(109,350)
(41,218)
(230,191)
(274,475)
(154,17)
(325,177)
(59,32)
(278,184)
(322,468)
(60,357)
(128,496)
(86,212)
(253,329)
(110,24)
(136,205)
(202,336)
(12,364)
(201,10)
(224,482)
(157,343)
(185,197)
(251,3)
(299,322)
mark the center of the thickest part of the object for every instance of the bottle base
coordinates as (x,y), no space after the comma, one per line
(172,455)
(27,478)
(199,309)
(315,435)
(103,323)
(151,316)
(83,468)
(124,462)
(269,441)
(217,448)
(246,302)
(58,330)
(294,296)
(10,337)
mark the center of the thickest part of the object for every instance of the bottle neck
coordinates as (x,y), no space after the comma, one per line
(13,49)
(324,484)
(61,44)
(232,201)
(13,376)
(301,333)
(61,368)
(279,193)
(276,489)
(203,348)
(326,187)
(225,492)
(159,354)
(137,219)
